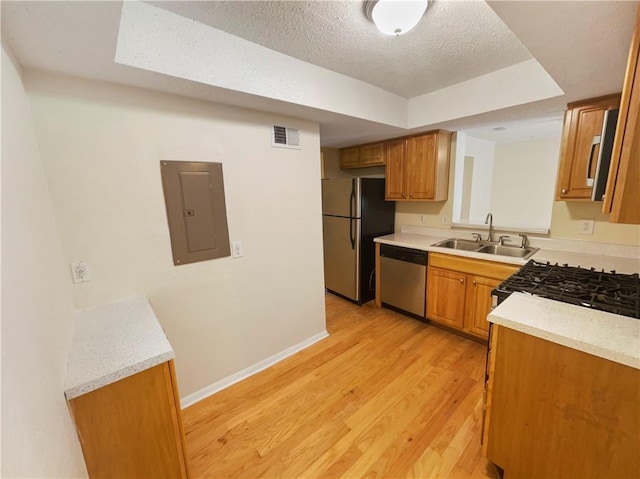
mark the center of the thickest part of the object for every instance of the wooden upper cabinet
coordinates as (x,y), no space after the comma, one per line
(421,174)
(350,157)
(372,155)
(395,156)
(362,156)
(622,196)
(417,167)
(424,172)
(581,145)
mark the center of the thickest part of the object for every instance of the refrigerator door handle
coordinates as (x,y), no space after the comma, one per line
(352,200)
(352,235)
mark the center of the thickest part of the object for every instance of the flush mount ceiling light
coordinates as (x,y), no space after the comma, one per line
(395,17)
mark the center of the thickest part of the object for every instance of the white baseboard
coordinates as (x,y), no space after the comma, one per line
(250,371)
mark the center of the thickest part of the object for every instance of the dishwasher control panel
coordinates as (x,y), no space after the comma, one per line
(407,255)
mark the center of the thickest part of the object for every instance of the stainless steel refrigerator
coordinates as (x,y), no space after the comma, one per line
(354,212)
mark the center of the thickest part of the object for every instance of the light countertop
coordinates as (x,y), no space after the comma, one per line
(425,243)
(610,336)
(112,342)
(581,257)
(606,335)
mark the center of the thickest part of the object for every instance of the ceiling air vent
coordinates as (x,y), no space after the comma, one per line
(283,137)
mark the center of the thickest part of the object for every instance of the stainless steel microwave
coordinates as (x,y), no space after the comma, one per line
(605,141)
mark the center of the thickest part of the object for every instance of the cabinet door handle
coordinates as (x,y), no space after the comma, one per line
(563,191)
(473,282)
(403,195)
(410,195)
(461,281)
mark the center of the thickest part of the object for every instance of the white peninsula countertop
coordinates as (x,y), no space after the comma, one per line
(114,341)
(606,335)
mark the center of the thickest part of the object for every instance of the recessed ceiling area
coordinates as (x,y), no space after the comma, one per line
(517,131)
(455,40)
(467,65)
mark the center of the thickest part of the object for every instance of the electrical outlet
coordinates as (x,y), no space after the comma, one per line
(586,227)
(423,219)
(237,249)
(80,272)
(445,220)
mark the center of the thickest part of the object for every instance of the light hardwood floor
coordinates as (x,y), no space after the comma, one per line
(383,396)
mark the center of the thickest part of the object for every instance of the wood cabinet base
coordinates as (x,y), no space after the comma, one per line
(459,292)
(474,337)
(132,428)
(553,411)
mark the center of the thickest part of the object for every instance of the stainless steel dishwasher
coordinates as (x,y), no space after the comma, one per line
(403,278)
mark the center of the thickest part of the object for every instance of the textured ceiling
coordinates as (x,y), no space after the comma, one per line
(454,42)
(582,45)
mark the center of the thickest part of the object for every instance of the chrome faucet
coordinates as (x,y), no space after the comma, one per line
(489,220)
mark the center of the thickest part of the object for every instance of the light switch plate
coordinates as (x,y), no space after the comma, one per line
(586,227)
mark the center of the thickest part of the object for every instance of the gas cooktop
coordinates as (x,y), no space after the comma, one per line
(605,291)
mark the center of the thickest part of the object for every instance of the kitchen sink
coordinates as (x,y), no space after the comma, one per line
(454,243)
(513,251)
(487,248)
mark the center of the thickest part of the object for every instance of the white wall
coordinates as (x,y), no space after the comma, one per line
(102,145)
(458,172)
(482,152)
(38,437)
(566,223)
(525,169)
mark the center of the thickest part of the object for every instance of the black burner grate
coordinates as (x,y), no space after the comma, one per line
(613,292)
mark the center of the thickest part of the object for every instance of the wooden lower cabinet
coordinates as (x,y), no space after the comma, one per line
(553,411)
(446,296)
(459,291)
(478,301)
(132,428)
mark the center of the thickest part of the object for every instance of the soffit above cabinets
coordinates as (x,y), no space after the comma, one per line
(467,64)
